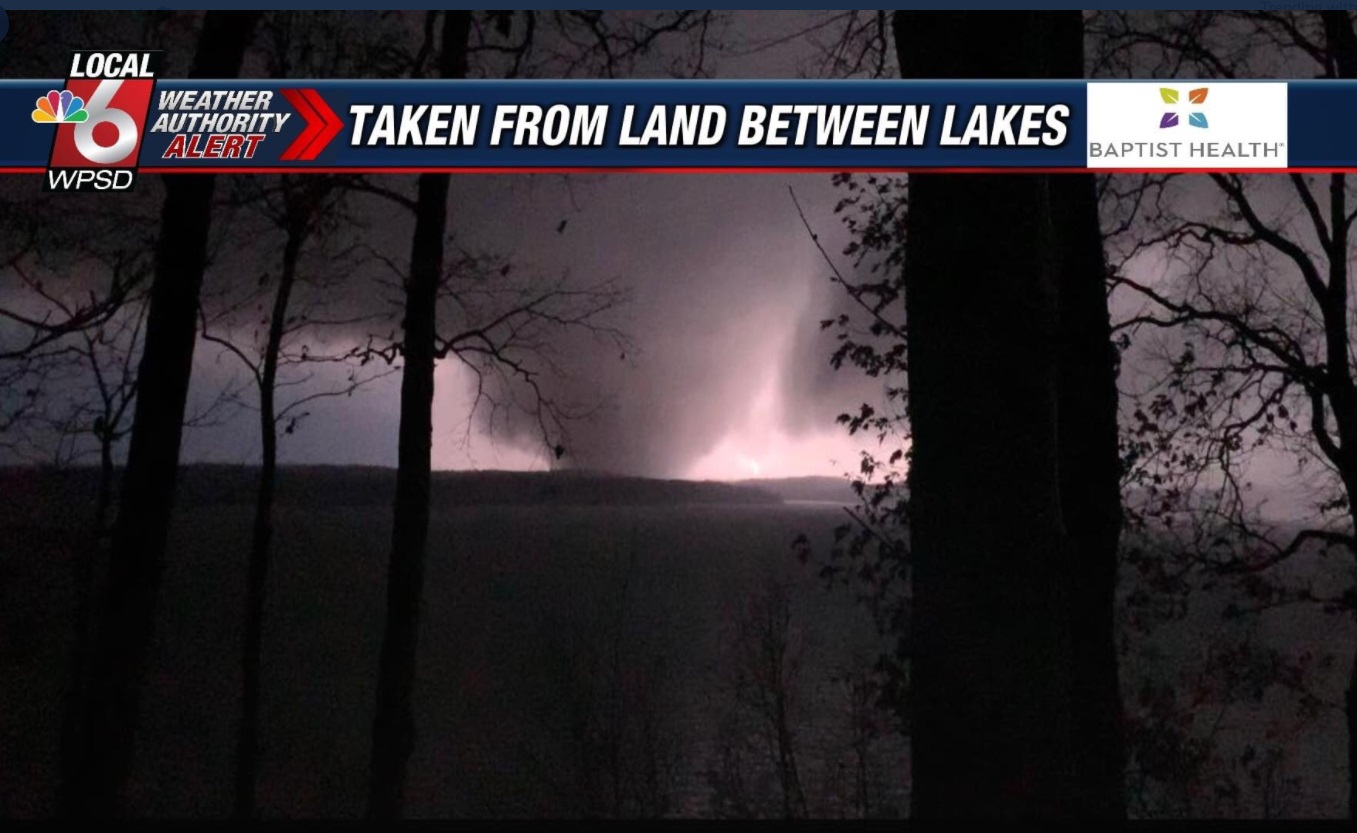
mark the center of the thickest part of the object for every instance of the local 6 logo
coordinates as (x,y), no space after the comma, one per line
(100,117)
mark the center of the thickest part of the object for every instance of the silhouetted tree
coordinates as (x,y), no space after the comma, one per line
(1249,277)
(768,650)
(305,209)
(1090,465)
(93,784)
(109,354)
(513,44)
(393,724)
(878,551)
(70,382)
(990,665)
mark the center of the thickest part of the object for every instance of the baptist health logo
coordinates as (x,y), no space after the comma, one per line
(60,107)
(1131,128)
(1170,96)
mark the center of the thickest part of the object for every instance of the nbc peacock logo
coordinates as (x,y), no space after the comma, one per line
(1194,119)
(60,108)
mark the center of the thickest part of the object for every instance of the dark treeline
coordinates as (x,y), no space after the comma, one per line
(1077,374)
(96,777)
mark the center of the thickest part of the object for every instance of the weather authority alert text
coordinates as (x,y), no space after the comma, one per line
(216,124)
(104,109)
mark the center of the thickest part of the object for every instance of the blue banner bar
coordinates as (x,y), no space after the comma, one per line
(166,126)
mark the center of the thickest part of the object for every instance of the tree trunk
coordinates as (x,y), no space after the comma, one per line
(393,724)
(106,473)
(94,783)
(1090,464)
(1090,493)
(990,676)
(83,571)
(247,742)
(1350,712)
(1341,43)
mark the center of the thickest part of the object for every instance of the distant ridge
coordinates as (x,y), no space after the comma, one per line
(324,486)
(813,489)
(352,486)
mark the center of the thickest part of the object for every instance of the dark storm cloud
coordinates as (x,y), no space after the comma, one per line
(728,290)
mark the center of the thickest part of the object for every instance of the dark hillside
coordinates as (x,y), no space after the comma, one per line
(353,486)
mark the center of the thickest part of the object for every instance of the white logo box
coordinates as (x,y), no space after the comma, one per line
(1246,125)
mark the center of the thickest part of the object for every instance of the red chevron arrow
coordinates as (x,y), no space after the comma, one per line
(333,124)
(322,125)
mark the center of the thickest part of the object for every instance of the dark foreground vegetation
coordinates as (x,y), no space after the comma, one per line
(617,656)
(619,650)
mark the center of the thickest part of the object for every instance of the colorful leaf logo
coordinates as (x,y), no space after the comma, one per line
(60,106)
(1170,96)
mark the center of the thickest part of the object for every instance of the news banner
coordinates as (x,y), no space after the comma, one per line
(112,119)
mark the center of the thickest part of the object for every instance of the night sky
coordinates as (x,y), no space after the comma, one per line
(729,376)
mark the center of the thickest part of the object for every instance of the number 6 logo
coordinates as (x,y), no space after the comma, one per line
(102,111)
(111,134)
